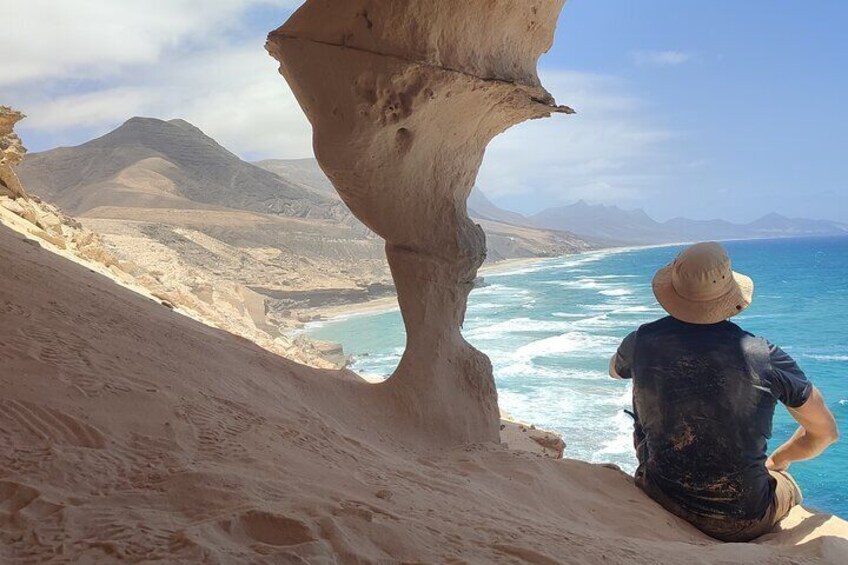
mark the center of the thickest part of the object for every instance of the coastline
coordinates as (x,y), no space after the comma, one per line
(389,303)
(323,315)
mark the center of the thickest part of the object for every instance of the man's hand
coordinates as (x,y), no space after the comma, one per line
(771,465)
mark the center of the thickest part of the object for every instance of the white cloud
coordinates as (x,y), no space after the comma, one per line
(600,154)
(50,40)
(660,58)
(179,63)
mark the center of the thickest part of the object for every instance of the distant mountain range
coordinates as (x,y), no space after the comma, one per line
(509,234)
(148,165)
(601,225)
(613,225)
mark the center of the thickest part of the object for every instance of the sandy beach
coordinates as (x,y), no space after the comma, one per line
(388,303)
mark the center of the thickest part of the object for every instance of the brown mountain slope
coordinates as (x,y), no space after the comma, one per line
(150,163)
(171,200)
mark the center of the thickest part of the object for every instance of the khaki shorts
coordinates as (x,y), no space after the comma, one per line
(787,494)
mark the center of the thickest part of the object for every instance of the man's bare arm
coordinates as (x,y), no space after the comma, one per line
(818,430)
(612,371)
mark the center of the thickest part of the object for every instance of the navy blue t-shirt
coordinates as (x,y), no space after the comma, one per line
(704,399)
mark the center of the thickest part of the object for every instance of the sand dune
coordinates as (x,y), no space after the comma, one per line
(130,432)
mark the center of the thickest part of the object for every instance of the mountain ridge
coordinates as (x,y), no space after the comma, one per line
(610,224)
(186,165)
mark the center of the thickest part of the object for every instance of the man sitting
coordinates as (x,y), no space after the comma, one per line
(704,393)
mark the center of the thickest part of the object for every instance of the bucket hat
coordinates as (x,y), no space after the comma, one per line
(700,286)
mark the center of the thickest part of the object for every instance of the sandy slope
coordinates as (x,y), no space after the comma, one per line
(128,431)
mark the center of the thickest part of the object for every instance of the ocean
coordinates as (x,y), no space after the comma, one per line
(550,328)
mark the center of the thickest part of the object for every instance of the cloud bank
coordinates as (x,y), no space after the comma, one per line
(97,63)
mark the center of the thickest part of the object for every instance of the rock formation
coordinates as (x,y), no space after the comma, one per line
(403,98)
(11,152)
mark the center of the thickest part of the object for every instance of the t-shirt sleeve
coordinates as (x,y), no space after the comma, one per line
(624,356)
(789,383)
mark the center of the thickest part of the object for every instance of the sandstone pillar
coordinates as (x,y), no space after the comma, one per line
(404,96)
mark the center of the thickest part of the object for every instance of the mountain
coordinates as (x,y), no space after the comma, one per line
(613,225)
(608,224)
(479,206)
(508,234)
(303,172)
(171,201)
(150,163)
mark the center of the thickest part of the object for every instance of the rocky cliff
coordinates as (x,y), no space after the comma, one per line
(11,153)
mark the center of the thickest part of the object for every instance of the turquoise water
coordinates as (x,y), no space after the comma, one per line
(550,330)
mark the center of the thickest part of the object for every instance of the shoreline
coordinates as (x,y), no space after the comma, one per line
(389,303)
(384,304)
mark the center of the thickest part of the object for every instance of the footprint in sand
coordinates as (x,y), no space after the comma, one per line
(267,528)
(21,506)
(51,425)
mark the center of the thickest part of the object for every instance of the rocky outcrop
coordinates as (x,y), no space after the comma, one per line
(11,153)
(527,437)
(403,98)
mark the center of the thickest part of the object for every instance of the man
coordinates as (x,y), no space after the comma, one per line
(704,393)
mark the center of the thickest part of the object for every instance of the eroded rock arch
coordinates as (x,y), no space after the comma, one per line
(404,97)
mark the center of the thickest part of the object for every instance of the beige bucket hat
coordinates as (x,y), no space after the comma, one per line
(700,287)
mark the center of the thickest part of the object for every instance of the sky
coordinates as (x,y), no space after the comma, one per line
(719,109)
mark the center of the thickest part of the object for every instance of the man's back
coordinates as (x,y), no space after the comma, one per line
(704,393)
(704,397)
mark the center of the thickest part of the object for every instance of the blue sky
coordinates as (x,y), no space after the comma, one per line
(702,109)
